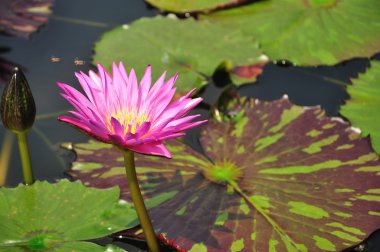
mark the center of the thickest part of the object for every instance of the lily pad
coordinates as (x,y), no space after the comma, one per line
(170,44)
(58,217)
(186,6)
(23,17)
(279,177)
(308,32)
(363,108)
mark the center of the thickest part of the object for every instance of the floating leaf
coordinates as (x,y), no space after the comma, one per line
(57,217)
(186,6)
(364,106)
(22,18)
(281,178)
(170,44)
(308,32)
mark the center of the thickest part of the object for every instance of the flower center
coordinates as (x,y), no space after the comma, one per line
(223,172)
(130,120)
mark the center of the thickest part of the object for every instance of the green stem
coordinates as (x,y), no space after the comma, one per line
(25,157)
(142,213)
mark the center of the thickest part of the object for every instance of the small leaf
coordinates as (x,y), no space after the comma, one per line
(170,44)
(363,108)
(57,217)
(280,177)
(310,32)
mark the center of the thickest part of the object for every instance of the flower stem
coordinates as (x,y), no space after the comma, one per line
(142,213)
(25,157)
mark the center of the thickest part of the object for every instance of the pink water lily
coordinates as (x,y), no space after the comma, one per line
(132,116)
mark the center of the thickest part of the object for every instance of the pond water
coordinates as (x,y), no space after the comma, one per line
(69,36)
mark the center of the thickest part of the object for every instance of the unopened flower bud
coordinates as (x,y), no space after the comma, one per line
(17,108)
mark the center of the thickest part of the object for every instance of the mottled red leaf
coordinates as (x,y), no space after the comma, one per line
(279,177)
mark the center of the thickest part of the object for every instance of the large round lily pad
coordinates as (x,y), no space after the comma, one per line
(23,17)
(280,178)
(185,6)
(363,109)
(58,217)
(308,32)
(194,49)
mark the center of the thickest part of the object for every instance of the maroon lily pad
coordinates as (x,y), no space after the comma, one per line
(279,177)
(22,18)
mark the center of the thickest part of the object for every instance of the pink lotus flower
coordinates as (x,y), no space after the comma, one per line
(131,116)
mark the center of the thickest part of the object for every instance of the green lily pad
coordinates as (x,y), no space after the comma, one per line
(279,177)
(169,44)
(308,32)
(364,106)
(186,6)
(58,217)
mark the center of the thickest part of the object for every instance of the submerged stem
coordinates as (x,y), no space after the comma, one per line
(25,157)
(142,213)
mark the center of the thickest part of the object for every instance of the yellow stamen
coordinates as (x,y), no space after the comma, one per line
(129,119)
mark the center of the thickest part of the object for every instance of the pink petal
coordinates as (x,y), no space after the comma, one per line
(155,148)
(85,87)
(174,108)
(116,140)
(75,94)
(145,84)
(123,72)
(119,84)
(132,90)
(189,106)
(97,92)
(161,104)
(170,136)
(83,127)
(79,107)
(104,76)
(75,122)
(182,120)
(156,89)
(96,79)
(190,125)
(117,127)
(142,129)
(109,91)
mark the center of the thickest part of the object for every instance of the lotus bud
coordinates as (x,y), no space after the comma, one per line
(17,108)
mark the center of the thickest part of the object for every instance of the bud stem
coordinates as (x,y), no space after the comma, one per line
(25,157)
(142,213)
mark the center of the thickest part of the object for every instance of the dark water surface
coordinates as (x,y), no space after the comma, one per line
(68,37)
(70,34)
